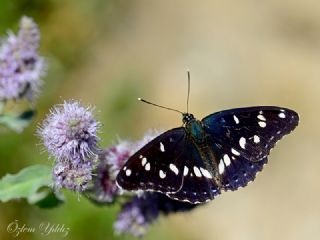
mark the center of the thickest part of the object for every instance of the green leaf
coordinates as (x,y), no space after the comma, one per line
(50,199)
(17,123)
(26,183)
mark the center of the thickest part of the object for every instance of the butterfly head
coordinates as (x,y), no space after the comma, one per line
(187,117)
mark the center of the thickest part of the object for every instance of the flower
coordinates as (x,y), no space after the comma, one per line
(72,177)
(70,132)
(136,215)
(148,137)
(21,68)
(110,162)
(117,155)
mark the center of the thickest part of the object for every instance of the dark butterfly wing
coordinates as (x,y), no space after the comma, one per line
(242,138)
(198,184)
(157,166)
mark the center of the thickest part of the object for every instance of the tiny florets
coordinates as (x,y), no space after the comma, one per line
(148,137)
(136,216)
(110,162)
(72,177)
(70,132)
(21,67)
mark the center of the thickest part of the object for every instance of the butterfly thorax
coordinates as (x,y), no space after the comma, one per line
(194,127)
(196,132)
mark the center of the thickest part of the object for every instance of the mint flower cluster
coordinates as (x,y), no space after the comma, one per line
(69,133)
(21,67)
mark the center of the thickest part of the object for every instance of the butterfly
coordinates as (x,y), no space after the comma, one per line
(195,163)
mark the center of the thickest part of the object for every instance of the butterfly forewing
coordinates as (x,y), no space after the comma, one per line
(242,138)
(157,166)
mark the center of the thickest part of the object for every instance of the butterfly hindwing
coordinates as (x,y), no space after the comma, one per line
(242,138)
(157,166)
(235,170)
(198,185)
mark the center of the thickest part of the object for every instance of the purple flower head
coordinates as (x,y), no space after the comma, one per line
(72,177)
(111,161)
(148,137)
(21,68)
(136,215)
(117,155)
(70,132)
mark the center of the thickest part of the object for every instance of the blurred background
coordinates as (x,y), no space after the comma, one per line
(240,53)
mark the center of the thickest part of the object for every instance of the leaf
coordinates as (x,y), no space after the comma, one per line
(49,199)
(17,123)
(26,183)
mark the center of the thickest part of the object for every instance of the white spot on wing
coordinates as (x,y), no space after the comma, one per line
(197,171)
(242,142)
(161,147)
(256,139)
(205,173)
(221,167)
(174,168)
(162,174)
(128,172)
(185,171)
(226,160)
(236,120)
(147,167)
(144,161)
(235,152)
(262,124)
(282,115)
(261,117)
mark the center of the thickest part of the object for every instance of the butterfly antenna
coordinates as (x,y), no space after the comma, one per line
(188,73)
(171,109)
